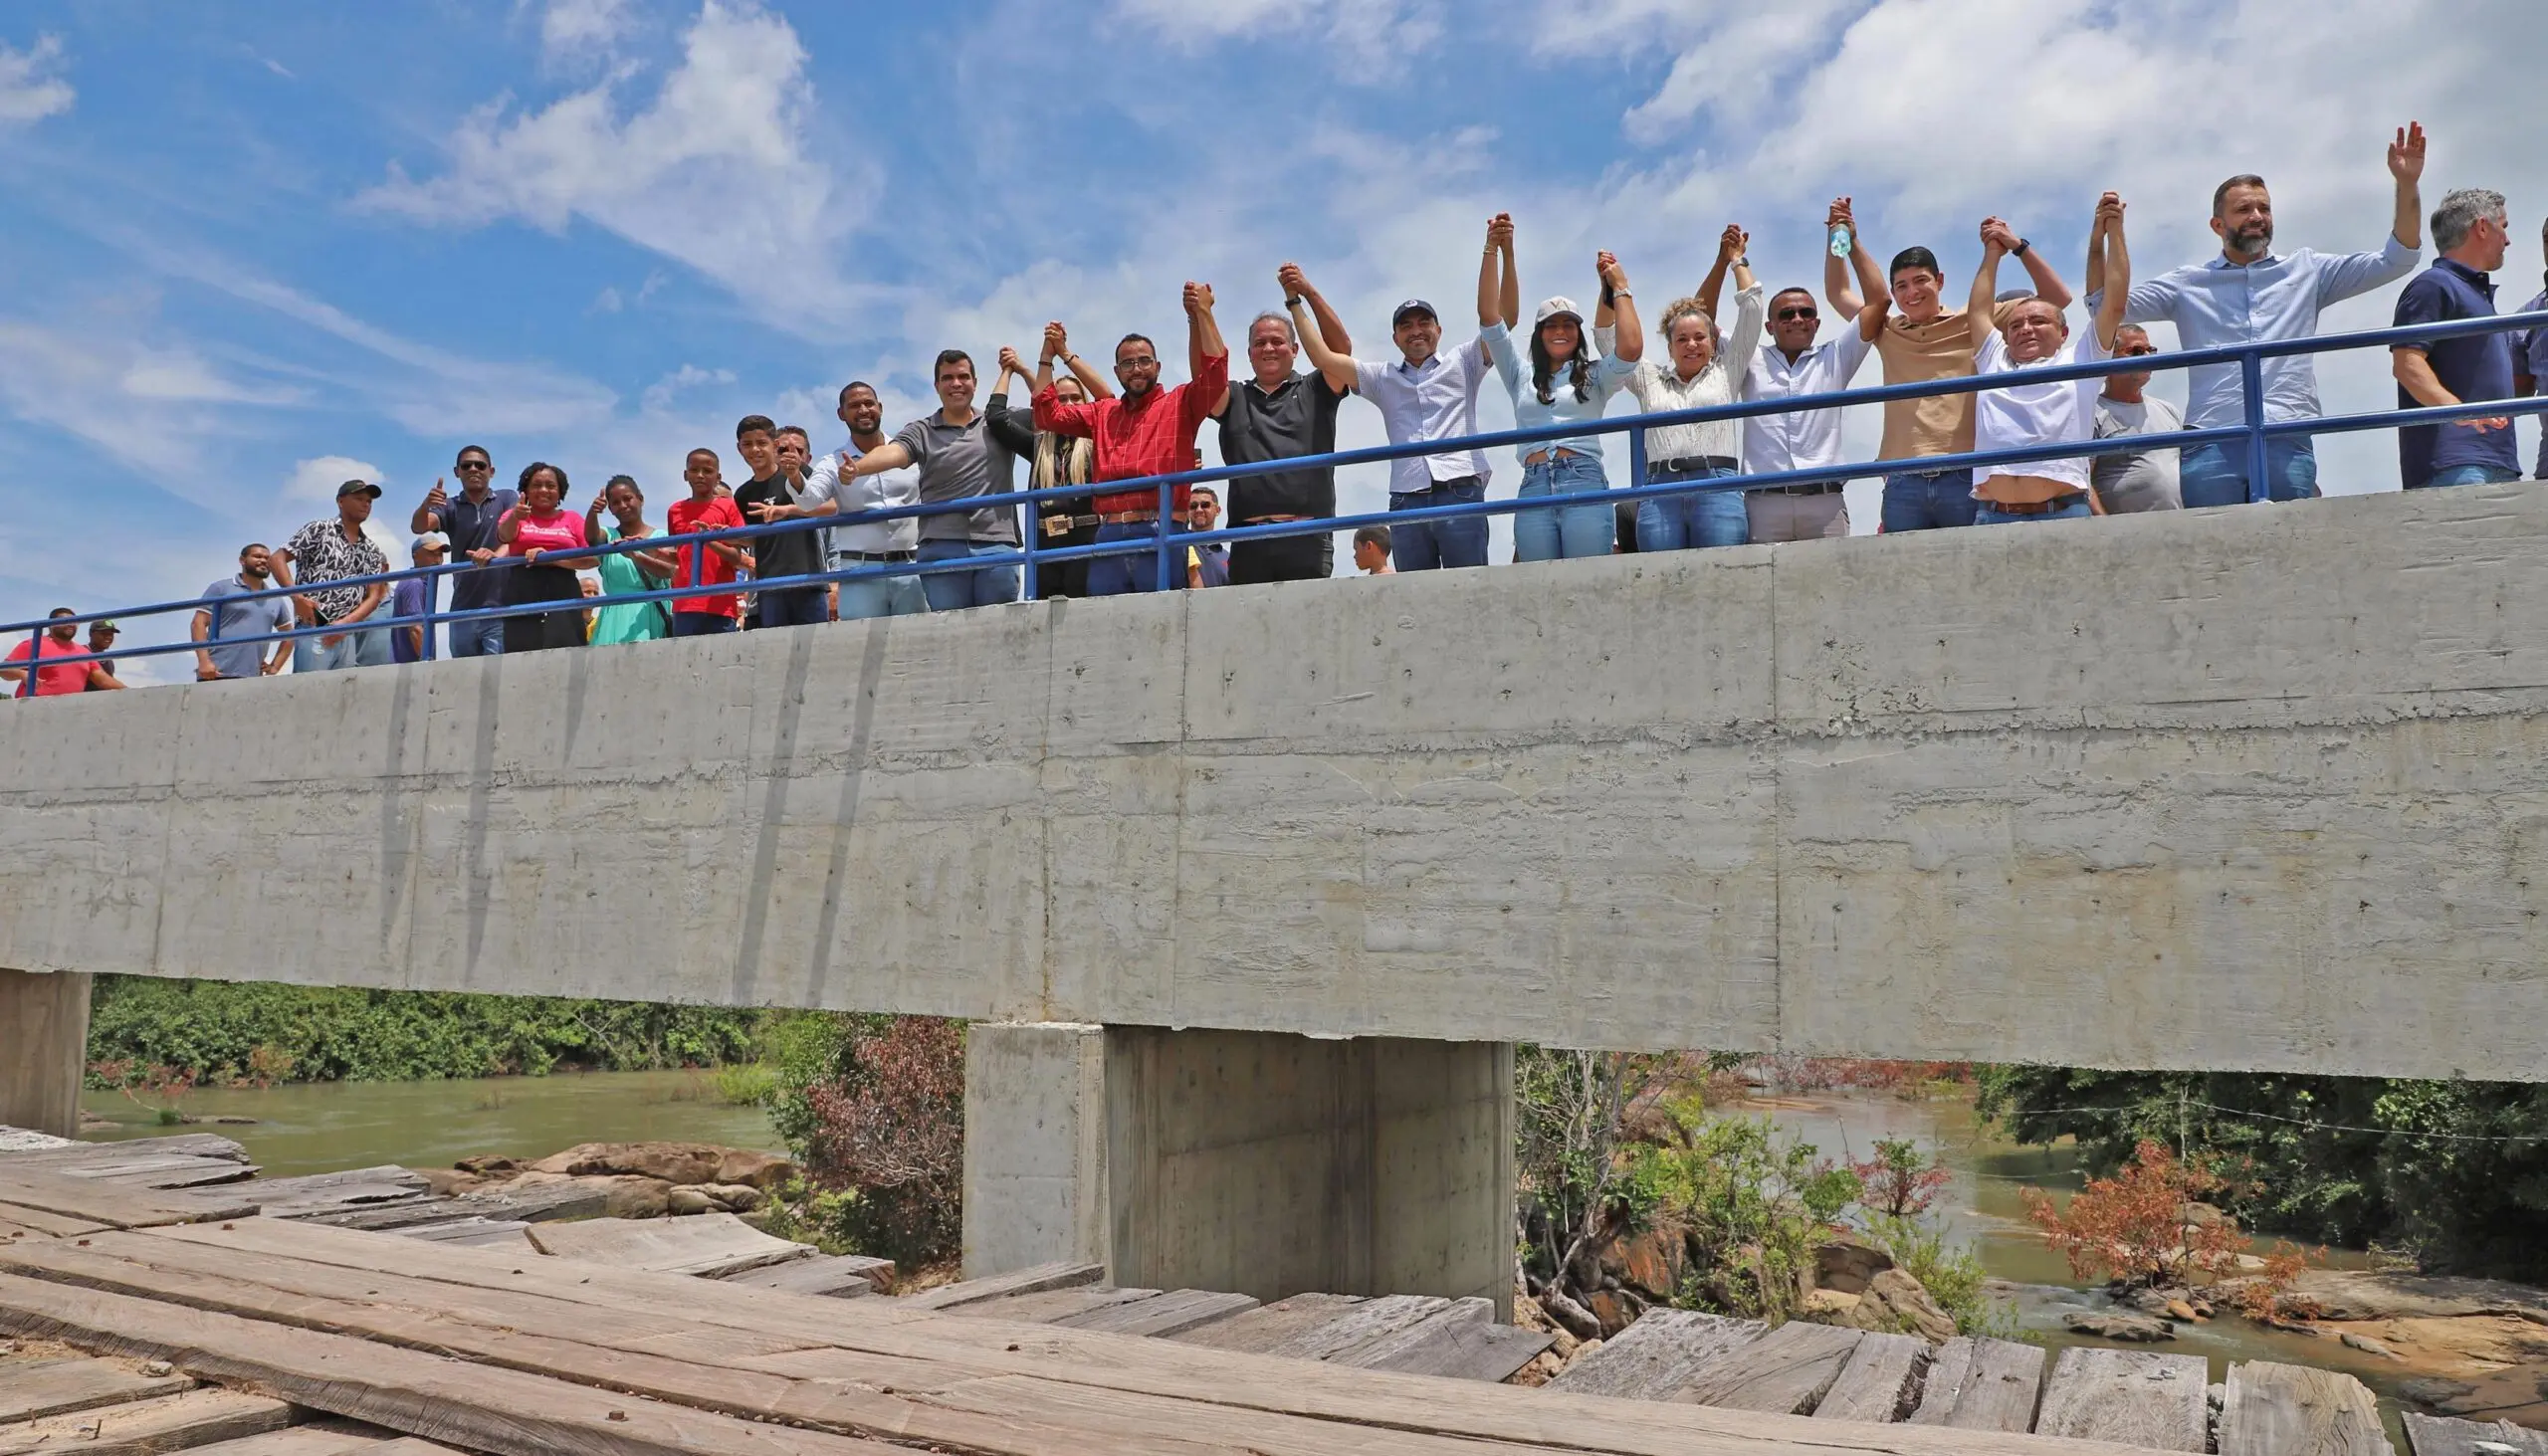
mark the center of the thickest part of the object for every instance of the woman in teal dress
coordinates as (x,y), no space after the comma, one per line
(626,571)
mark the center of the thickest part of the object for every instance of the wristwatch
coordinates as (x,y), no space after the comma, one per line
(2019,251)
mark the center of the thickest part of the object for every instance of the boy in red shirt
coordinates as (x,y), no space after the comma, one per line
(713,564)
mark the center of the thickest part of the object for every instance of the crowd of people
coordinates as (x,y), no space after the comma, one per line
(1082,432)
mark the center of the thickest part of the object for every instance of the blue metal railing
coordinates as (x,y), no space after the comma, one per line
(2253,432)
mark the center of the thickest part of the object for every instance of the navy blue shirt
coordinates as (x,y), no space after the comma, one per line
(472,527)
(2534,347)
(2473,366)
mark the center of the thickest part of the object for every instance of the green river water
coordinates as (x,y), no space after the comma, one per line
(324,1126)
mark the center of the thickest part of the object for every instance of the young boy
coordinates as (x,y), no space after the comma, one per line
(712,563)
(2034,334)
(780,483)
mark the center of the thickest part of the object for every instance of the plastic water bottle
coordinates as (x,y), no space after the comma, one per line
(1841,240)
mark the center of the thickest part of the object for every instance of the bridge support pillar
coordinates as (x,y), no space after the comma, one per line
(44,1045)
(1257,1162)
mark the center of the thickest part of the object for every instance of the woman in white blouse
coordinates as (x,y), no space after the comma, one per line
(1703,365)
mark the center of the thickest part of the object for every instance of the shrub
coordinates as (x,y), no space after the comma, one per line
(2132,1229)
(880,1112)
(1900,1182)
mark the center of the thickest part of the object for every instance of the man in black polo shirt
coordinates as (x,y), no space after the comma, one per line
(2471,231)
(1277,414)
(470,518)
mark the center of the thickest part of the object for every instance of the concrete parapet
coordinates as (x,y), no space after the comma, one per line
(2248,790)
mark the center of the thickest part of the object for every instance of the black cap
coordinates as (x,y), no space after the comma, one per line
(365,486)
(1413,306)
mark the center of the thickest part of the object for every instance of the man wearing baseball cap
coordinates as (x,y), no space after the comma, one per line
(333,549)
(1421,396)
(102,640)
(52,678)
(411,637)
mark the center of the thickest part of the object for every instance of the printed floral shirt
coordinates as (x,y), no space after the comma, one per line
(320,553)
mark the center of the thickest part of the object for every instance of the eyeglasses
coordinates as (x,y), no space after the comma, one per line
(1137,361)
(2147,349)
(1785,315)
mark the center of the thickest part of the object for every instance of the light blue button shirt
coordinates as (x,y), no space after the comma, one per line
(1514,369)
(2218,303)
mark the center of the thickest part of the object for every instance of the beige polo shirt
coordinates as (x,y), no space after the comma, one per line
(1915,353)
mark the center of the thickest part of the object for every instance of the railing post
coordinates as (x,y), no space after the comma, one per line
(1166,503)
(1035,527)
(34,659)
(2251,376)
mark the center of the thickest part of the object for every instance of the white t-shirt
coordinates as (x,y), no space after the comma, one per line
(2019,415)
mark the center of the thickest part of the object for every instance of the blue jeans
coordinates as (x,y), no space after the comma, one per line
(1569,533)
(479,637)
(1928,500)
(700,624)
(356,649)
(1988,515)
(1117,575)
(950,591)
(1429,545)
(878,596)
(2217,475)
(1702,518)
(796,607)
(2469,475)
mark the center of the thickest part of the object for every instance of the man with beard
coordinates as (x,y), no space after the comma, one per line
(2251,294)
(836,489)
(53,679)
(223,655)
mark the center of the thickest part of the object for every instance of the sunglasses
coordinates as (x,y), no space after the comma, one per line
(472,465)
(2137,353)
(1784,315)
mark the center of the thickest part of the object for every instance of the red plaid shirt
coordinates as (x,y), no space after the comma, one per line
(1154,437)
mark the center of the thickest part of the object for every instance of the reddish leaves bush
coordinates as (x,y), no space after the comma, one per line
(892,1126)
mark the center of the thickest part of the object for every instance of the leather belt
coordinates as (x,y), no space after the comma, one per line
(1823,488)
(1127,518)
(1690,465)
(875,555)
(2035,507)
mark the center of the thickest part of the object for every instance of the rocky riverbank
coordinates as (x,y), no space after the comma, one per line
(634,1180)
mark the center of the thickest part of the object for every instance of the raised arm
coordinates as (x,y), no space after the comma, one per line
(1981,307)
(1330,325)
(1497,258)
(2406,169)
(1333,361)
(1202,331)
(1629,338)
(1873,282)
(2039,270)
(1731,244)
(2107,256)
(1847,301)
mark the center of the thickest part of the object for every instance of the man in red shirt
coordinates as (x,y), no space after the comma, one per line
(1147,431)
(713,564)
(53,678)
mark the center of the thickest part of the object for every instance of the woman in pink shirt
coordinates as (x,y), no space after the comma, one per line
(545,539)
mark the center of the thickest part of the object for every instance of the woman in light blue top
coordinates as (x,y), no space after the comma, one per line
(1566,384)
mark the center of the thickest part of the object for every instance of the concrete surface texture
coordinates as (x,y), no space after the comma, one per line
(2259,788)
(1255,1163)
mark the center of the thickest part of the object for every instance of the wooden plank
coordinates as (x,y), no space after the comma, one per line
(1381,1351)
(1467,1351)
(707,1245)
(1982,1385)
(1050,1304)
(147,1427)
(1370,1320)
(1876,1383)
(1000,1286)
(168,1172)
(1135,1421)
(1171,1314)
(20,1222)
(508,1411)
(2277,1410)
(539,1202)
(127,1150)
(39,1387)
(1655,1356)
(1260,1329)
(329,1436)
(2437,1435)
(506,1233)
(872,1337)
(114,1206)
(835,1275)
(363,1187)
(2137,1398)
(1784,1373)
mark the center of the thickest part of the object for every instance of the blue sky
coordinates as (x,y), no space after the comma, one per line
(257,248)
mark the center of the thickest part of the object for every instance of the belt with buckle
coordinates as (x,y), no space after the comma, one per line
(1127,518)
(2035,507)
(1690,465)
(1818,488)
(875,555)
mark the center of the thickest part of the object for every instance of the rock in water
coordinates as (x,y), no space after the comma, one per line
(2369,1345)
(2113,1325)
(692,1200)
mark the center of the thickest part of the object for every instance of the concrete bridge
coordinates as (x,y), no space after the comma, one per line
(2255,789)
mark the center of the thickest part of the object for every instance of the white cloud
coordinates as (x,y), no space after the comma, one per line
(149,406)
(605,302)
(316,479)
(661,394)
(31,86)
(1366,39)
(581,27)
(716,170)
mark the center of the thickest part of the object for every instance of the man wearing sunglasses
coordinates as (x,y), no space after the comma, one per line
(468,521)
(2144,480)
(1795,364)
